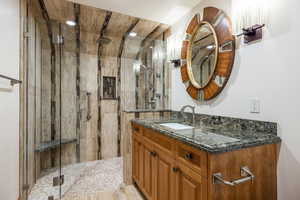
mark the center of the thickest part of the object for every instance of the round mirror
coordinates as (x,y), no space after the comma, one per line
(207,54)
(202,55)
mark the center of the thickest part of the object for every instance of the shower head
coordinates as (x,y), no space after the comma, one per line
(104,40)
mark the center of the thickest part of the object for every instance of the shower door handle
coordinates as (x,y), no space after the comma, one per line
(89,116)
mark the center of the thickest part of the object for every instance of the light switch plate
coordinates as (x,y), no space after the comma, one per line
(255,106)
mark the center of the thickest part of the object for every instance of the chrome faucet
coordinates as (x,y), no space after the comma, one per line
(185,116)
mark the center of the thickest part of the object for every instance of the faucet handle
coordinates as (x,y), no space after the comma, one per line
(183,109)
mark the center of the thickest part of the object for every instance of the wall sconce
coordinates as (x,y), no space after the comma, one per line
(252,33)
(249,18)
(173,50)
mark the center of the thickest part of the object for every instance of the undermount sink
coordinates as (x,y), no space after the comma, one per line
(207,137)
(176,126)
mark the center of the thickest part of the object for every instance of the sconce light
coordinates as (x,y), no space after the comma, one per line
(249,18)
(174,49)
(252,33)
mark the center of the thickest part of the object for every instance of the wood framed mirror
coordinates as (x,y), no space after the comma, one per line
(207,54)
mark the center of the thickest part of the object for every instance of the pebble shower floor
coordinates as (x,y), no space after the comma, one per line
(83,181)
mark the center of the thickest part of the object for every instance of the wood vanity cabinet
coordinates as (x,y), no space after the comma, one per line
(153,168)
(167,169)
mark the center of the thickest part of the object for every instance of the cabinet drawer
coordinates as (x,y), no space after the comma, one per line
(136,129)
(194,158)
(164,142)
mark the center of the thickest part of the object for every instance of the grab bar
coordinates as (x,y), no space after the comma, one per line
(245,172)
(89,116)
(12,80)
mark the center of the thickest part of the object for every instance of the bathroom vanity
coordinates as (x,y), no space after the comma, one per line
(173,162)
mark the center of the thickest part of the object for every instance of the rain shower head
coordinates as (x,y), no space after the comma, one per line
(104,40)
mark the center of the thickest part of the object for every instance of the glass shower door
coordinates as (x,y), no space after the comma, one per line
(55,144)
(78,91)
(40,154)
(60,180)
(55,108)
(74,107)
(67,117)
(71,107)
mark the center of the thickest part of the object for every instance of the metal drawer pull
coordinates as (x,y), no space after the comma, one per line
(188,156)
(154,154)
(245,172)
(175,169)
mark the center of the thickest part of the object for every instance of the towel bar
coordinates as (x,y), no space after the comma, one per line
(12,80)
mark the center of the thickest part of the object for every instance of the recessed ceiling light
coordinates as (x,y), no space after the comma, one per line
(71,23)
(133,34)
(210,47)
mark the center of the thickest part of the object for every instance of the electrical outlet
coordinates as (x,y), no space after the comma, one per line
(255,106)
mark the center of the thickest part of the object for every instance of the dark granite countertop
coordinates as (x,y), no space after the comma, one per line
(146,110)
(212,140)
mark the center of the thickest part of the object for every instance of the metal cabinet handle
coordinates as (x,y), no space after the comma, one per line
(89,116)
(188,156)
(245,172)
(175,169)
(154,154)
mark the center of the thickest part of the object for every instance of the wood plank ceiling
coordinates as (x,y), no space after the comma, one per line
(91,21)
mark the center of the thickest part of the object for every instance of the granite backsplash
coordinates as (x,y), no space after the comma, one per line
(229,123)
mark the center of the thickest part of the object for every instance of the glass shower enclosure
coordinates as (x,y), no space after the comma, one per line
(73,98)
(56,108)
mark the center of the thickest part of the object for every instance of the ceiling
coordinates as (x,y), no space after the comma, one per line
(163,11)
(91,22)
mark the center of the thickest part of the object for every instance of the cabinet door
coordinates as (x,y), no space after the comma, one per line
(138,162)
(148,171)
(141,165)
(260,160)
(135,160)
(165,177)
(144,161)
(189,184)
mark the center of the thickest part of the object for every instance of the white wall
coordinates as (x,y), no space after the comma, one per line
(268,70)
(9,100)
